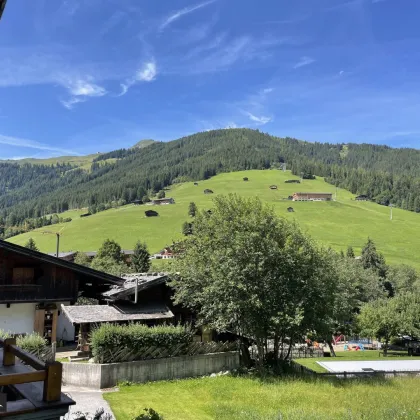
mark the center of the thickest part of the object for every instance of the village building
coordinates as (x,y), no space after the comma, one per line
(33,286)
(165,254)
(71,255)
(161,201)
(312,196)
(362,198)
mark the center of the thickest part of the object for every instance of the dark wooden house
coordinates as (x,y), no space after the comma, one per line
(207,191)
(33,286)
(151,213)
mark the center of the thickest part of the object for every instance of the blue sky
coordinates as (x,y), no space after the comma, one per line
(82,76)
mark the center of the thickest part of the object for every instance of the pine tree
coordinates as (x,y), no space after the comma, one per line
(187,229)
(350,252)
(192,210)
(371,258)
(141,258)
(31,245)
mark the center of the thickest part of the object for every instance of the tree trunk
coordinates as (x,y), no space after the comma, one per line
(246,359)
(331,348)
(261,354)
(386,348)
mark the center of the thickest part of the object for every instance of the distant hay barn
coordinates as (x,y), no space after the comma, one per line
(245,179)
(362,198)
(290,209)
(86,215)
(292,181)
(151,213)
(207,191)
(273,187)
(195,183)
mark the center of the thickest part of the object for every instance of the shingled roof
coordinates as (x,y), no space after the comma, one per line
(91,314)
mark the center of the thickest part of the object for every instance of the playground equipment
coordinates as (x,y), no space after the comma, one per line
(354,347)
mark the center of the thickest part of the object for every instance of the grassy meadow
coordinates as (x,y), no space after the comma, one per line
(337,224)
(227,398)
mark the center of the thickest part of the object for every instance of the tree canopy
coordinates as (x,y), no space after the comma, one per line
(31,245)
(140,260)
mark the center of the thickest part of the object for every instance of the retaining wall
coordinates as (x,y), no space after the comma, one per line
(99,376)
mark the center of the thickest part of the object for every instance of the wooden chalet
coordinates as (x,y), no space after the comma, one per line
(33,286)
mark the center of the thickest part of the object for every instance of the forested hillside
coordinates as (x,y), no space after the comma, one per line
(28,192)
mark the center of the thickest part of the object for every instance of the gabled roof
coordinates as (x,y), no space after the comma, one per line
(107,278)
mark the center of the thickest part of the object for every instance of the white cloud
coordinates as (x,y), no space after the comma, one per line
(147,73)
(304,61)
(268,90)
(259,120)
(80,90)
(178,14)
(30,144)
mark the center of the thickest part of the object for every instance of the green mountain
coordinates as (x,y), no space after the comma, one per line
(143,143)
(28,192)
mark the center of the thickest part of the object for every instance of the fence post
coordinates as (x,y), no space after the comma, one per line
(52,383)
(345,375)
(8,356)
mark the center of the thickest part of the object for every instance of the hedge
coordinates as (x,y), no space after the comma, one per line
(125,340)
(31,343)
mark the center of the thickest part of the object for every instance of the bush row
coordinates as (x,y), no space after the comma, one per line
(32,343)
(110,338)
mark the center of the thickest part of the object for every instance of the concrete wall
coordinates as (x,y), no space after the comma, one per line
(18,319)
(106,376)
(65,329)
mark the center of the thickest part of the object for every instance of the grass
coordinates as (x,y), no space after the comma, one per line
(227,398)
(337,224)
(344,356)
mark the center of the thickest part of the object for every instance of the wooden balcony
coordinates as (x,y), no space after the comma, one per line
(31,387)
(20,293)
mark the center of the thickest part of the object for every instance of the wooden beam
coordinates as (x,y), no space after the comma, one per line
(22,378)
(8,356)
(27,358)
(52,383)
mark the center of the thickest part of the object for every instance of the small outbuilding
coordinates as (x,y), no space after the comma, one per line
(362,198)
(195,183)
(292,181)
(245,179)
(151,213)
(207,191)
(290,209)
(273,187)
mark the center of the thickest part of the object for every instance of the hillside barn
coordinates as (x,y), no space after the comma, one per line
(273,187)
(292,181)
(151,213)
(207,191)
(290,209)
(245,179)
(312,196)
(362,198)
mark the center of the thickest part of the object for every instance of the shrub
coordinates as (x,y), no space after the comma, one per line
(32,343)
(149,414)
(119,343)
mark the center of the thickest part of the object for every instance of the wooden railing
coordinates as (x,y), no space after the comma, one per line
(50,373)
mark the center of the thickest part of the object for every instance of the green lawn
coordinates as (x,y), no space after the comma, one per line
(229,398)
(344,356)
(337,224)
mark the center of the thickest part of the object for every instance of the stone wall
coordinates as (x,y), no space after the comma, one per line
(99,376)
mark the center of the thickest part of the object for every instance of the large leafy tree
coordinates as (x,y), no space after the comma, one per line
(31,244)
(246,270)
(110,250)
(110,259)
(140,260)
(82,259)
(403,278)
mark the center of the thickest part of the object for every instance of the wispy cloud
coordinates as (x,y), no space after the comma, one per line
(267,90)
(147,73)
(262,120)
(80,90)
(304,61)
(182,12)
(30,144)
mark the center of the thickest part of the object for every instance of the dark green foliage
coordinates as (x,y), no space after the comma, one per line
(187,229)
(109,339)
(149,414)
(31,245)
(82,259)
(372,259)
(161,194)
(192,209)
(140,260)
(110,250)
(350,252)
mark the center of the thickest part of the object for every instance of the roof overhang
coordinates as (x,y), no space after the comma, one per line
(96,314)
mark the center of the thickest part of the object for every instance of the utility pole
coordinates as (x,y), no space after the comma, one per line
(58,244)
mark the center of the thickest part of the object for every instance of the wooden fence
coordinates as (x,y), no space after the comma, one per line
(153,352)
(48,372)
